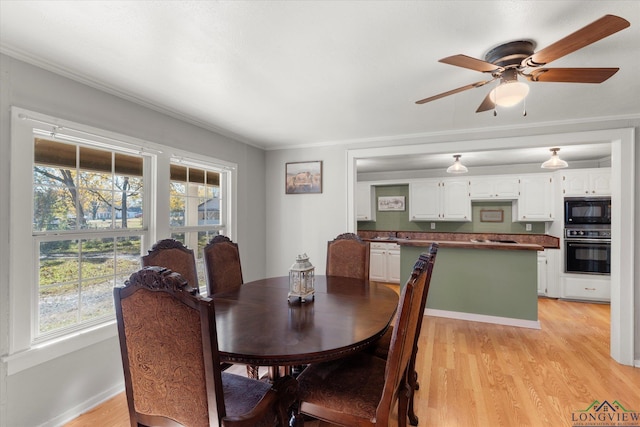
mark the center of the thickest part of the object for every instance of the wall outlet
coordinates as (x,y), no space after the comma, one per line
(433,226)
(527,227)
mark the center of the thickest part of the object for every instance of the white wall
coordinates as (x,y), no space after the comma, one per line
(49,393)
(304,223)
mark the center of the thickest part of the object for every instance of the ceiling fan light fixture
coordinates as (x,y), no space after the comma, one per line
(554,162)
(509,93)
(457,167)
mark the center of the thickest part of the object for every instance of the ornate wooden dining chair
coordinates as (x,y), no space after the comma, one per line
(381,348)
(224,273)
(362,390)
(171,364)
(172,254)
(222,263)
(348,256)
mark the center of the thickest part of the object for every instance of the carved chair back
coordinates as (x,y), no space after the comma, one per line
(335,391)
(222,262)
(172,254)
(406,328)
(348,256)
(169,350)
(171,363)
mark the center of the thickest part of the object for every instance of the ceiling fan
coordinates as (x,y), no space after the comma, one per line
(517,58)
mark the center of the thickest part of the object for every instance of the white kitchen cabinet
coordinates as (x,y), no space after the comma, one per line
(536,199)
(552,257)
(548,273)
(377,263)
(586,182)
(542,273)
(585,287)
(424,200)
(384,262)
(503,187)
(444,199)
(365,202)
(456,204)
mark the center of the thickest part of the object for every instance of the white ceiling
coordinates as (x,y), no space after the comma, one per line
(280,74)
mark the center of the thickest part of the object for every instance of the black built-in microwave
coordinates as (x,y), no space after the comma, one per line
(587,210)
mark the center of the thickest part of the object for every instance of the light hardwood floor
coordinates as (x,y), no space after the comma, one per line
(478,374)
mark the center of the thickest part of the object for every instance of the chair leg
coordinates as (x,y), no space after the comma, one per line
(287,391)
(403,409)
(413,386)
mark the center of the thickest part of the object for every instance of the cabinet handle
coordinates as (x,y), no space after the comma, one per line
(590,289)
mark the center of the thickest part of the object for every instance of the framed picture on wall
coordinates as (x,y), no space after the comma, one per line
(390,203)
(491,215)
(303,177)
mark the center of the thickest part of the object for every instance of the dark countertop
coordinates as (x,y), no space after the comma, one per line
(527,242)
(472,245)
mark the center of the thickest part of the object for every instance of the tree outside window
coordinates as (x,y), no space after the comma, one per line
(88,224)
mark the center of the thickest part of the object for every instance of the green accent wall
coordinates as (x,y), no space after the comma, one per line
(399,221)
(480,281)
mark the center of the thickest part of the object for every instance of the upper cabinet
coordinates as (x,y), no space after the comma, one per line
(586,182)
(493,187)
(536,199)
(365,202)
(444,199)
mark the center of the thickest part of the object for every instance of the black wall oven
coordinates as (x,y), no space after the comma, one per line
(587,210)
(587,251)
(587,237)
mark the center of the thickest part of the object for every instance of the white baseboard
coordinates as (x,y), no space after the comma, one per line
(80,409)
(636,363)
(472,317)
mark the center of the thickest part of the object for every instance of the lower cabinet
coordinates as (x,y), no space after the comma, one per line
(584,287)
(549,273)
(542,273)
(384,262)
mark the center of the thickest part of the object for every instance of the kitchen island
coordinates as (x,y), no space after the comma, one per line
(487,277)
(487,281)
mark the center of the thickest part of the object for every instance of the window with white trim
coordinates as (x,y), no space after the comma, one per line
(197,204)
(88,228)
(85,204)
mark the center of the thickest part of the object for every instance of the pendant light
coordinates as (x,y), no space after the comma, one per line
(457,167)
(555,162)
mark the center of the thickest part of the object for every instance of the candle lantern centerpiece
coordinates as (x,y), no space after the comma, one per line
(301,279)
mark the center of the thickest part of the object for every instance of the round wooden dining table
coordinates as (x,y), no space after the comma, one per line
(256,325)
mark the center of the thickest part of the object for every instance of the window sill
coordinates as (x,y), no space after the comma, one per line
(50,350)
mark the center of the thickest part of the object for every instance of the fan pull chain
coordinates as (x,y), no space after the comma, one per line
(524,107)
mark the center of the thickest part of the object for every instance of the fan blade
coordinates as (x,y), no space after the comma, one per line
(597,30)
(465,61)
(486,105)
(571,75)
(451,92)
